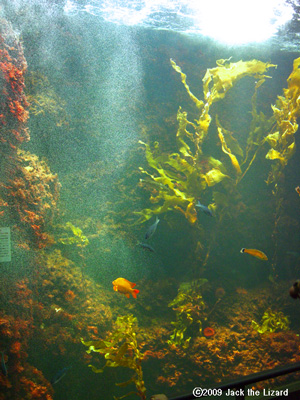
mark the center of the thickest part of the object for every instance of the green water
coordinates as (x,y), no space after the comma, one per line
(95,90)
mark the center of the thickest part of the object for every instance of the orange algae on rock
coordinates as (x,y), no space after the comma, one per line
(16,330)
(236,350)
(13,102)
(32,193)
(29,190)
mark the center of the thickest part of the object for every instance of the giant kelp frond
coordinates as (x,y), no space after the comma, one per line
(286,111)
(181,178)
(227,151)
(178,184)
(199,103)
(120,349)
(217,81)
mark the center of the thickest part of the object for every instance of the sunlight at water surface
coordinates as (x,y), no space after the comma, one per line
(235,22)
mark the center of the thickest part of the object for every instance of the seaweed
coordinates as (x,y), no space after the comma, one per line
(81,241)
(43,100)
(183,177)
(121,349)
(272,321)
(189,307)
(78,238)
(179,179)
(286,111)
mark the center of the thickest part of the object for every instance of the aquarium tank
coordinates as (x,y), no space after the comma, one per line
(149,197)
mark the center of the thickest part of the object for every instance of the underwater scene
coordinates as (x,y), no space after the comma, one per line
(149,199)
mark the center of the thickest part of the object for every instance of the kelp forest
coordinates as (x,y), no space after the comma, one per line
(149,210)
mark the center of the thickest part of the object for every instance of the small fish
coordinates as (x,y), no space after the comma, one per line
(204,209)
(59,375)
(152,229)
(295,290)
(298,189)
(255,253)
(122,285)
(3,365)
(146,246)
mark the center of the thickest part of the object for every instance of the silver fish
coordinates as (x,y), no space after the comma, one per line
(59,375)
(146,246)
(204,209)
(152,229)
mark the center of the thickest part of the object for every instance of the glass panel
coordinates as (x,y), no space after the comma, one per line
(149,203)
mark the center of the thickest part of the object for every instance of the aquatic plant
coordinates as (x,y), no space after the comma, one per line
(281,138)
(81,241)
(282,142)
(31,194)
(181,178)
(178,180)
(189,308)
(121,349)
(78,238)
(43,99)
(272,321)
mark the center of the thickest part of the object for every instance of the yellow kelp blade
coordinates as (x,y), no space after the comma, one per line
(235,163)
(275,155)
(293,81)
(205,119)
(226,150)
(182,133)
(289,129)
(170,202)
(190,213)
(286,111)
(183,147)
(290,150)
(231,141)
(272,139)
(199,103)
(217,81)
(214,176)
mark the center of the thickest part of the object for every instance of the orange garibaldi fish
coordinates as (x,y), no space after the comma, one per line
(122,285)
(256,253)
